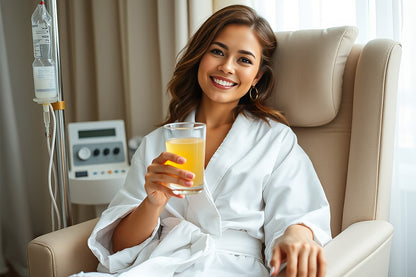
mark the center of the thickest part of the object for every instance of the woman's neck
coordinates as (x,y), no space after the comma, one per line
(215,115)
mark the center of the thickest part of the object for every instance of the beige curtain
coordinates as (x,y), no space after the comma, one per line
(24,200)
(117,58)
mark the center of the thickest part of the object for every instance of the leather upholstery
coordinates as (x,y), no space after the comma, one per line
(62,252)
(370,163)
(349,140)
(309,66)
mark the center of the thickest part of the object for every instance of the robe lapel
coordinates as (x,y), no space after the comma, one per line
(228,153)
(202,210)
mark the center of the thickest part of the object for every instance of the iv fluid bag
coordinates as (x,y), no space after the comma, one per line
(44,74)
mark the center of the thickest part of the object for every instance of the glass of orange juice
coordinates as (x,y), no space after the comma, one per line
(187,139)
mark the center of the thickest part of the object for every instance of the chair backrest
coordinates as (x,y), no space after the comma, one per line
(340,99)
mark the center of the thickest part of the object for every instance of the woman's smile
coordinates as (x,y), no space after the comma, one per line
(222,83)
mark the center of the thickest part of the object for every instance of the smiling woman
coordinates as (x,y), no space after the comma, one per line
(250,193)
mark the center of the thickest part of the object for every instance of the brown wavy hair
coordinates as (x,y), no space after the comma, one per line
(184,88)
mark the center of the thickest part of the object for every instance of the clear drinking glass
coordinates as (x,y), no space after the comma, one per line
(187,139)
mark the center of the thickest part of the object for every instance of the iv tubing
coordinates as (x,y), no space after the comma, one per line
(47,120)
(55,177)
(51,148)
(55,190)
(61,154)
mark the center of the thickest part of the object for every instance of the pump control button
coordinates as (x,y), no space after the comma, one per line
(116,151)
(84,153)
(96,152)
(106,151)
(79,174)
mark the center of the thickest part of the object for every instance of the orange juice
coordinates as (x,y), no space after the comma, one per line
(193,150)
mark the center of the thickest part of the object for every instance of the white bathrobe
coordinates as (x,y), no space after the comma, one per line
(258,182)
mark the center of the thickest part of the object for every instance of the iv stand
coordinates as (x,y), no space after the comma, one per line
(61,155)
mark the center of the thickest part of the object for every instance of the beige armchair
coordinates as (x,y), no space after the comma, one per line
(340,98)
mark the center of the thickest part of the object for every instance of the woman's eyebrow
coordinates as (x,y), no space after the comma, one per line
(222,45)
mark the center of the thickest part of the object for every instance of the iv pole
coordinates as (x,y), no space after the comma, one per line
(61,155)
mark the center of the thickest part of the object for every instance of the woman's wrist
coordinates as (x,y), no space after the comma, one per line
(300,229)
(149,206)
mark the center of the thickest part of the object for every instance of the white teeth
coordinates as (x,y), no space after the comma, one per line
(223,83)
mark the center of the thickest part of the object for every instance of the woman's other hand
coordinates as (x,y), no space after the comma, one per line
(303,256)
(159,175)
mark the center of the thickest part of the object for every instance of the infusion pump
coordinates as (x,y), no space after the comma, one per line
(98,160)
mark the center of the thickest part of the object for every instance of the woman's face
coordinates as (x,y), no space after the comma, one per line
(230,66)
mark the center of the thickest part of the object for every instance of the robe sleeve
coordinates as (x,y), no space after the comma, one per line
(293,195)
(125,201)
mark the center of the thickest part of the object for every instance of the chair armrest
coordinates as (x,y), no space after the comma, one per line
(63,252)
(363,249)
(360,250)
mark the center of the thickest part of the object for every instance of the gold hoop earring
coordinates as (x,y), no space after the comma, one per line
(256,94)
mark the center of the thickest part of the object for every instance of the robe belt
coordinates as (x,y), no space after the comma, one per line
(239,243)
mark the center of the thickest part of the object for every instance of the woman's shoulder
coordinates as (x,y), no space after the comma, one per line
(158,132)
(273,127)
(271,132)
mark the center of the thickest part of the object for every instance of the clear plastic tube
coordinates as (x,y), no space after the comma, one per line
(47,110)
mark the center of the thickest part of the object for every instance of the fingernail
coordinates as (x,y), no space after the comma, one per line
(181,160)
(190,175)
(271,271)
(189,183)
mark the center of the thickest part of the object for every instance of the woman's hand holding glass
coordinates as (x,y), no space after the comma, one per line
(159,175)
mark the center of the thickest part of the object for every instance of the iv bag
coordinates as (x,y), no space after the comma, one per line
(44,74)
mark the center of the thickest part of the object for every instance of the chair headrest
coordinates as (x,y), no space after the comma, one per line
(309,67)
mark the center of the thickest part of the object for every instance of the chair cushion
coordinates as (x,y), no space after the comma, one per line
(309,67)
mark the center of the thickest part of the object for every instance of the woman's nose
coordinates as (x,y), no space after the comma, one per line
(227,66)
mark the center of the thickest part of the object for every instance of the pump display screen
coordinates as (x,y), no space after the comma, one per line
(97,133)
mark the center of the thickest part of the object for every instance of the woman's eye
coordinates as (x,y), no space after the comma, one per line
(217,52)
(245,60)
